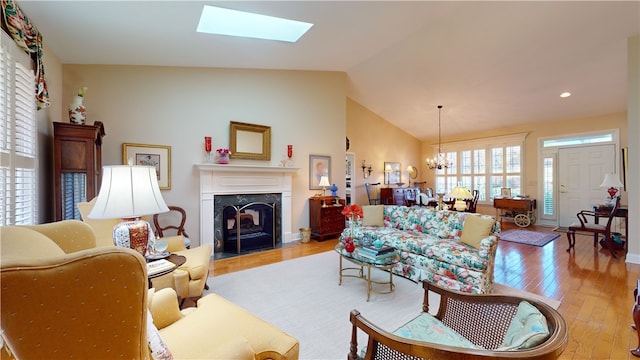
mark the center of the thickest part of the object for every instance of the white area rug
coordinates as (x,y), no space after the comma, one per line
(302,297)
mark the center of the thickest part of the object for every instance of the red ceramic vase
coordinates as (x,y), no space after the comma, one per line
(349,246)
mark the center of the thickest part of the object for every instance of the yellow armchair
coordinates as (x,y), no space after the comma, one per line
(72,305)
(64,298)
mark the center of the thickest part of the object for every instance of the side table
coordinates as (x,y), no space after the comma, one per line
(177,260)
(621,212)
(362,263)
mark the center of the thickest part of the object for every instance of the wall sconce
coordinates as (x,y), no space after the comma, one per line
(366,170)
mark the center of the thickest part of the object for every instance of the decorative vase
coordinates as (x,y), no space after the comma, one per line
(77,111)
(349,246)
(223,158)
(133,233)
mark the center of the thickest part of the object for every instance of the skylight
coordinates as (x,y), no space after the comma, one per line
(215,20)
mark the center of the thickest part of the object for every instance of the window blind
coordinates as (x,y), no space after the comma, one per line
(18,137)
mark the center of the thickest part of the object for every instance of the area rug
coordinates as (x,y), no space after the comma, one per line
(528,237)
(302,297)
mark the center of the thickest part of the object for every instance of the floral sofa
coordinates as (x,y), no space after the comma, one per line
(442,247)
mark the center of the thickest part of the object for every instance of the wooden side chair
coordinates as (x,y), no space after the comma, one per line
(597,229)
(169,225)
(372,193)
(410,196)
(473,203)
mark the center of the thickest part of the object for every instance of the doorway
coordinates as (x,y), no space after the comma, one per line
(580,173)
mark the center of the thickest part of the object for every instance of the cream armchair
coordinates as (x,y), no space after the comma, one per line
(189,280)
(65,298)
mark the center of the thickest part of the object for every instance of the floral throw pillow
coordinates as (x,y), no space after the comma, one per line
(527,329)
(157,347)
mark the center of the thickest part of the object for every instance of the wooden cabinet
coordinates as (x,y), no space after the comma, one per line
(397,196)
(325,221)
(77,159)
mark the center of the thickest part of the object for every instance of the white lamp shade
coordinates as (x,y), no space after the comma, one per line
(611,181)
(324,181)
(460,192)
(128,191)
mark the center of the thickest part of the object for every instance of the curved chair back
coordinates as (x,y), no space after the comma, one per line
(372,193)
(473,203)
(79,305)
(482,319)
(171,226)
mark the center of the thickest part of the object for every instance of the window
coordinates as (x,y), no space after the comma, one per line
(548,200)
(486,165)
(18,139)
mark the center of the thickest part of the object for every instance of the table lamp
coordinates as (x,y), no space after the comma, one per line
(324,182)
(611,181)
(129,192)
(460,193)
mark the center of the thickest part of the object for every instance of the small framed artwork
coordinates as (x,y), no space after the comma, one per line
(158,156)
(319,165)
(505,192)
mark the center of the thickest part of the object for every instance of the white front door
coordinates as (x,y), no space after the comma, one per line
(581,171)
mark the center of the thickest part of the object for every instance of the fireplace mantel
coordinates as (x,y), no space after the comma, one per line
(245,168)
(231,179)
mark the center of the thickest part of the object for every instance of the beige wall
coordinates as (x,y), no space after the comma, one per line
(44,119)
(179,106)
(375,140)
(536,131)
(633,121)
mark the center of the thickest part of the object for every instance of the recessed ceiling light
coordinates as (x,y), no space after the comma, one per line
(565,94)
(215,20)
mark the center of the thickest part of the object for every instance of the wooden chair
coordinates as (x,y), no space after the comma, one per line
(410,196)
(482,319)
(473,203)
(597,229)
(179,228)
(372,193)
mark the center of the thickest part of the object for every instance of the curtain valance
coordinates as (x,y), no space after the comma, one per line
(25,34)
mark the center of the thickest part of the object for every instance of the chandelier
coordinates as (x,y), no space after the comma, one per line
(439,161)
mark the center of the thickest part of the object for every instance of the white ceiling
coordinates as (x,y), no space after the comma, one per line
(491,64)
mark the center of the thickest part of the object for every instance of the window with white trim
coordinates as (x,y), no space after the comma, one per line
(486,165)
(18,137)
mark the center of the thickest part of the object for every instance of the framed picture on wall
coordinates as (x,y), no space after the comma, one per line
(319,165)
(158,156)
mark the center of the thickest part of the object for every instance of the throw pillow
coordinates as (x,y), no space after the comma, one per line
(157,347)
(426,327)
(476,228)
(373,215)
(527,329)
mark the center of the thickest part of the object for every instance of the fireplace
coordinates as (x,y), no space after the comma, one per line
(249,227)
(254,218)
(228,186)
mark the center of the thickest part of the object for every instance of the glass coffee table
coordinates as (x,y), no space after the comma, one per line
(368,263)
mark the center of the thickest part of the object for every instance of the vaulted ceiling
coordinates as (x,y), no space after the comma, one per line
(491,64)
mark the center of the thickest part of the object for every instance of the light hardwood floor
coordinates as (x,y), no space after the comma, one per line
(595,289)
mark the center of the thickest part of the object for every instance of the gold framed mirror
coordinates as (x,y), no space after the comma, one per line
(412,171)
(249,141)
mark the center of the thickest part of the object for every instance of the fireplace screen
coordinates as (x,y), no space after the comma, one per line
(249,227)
